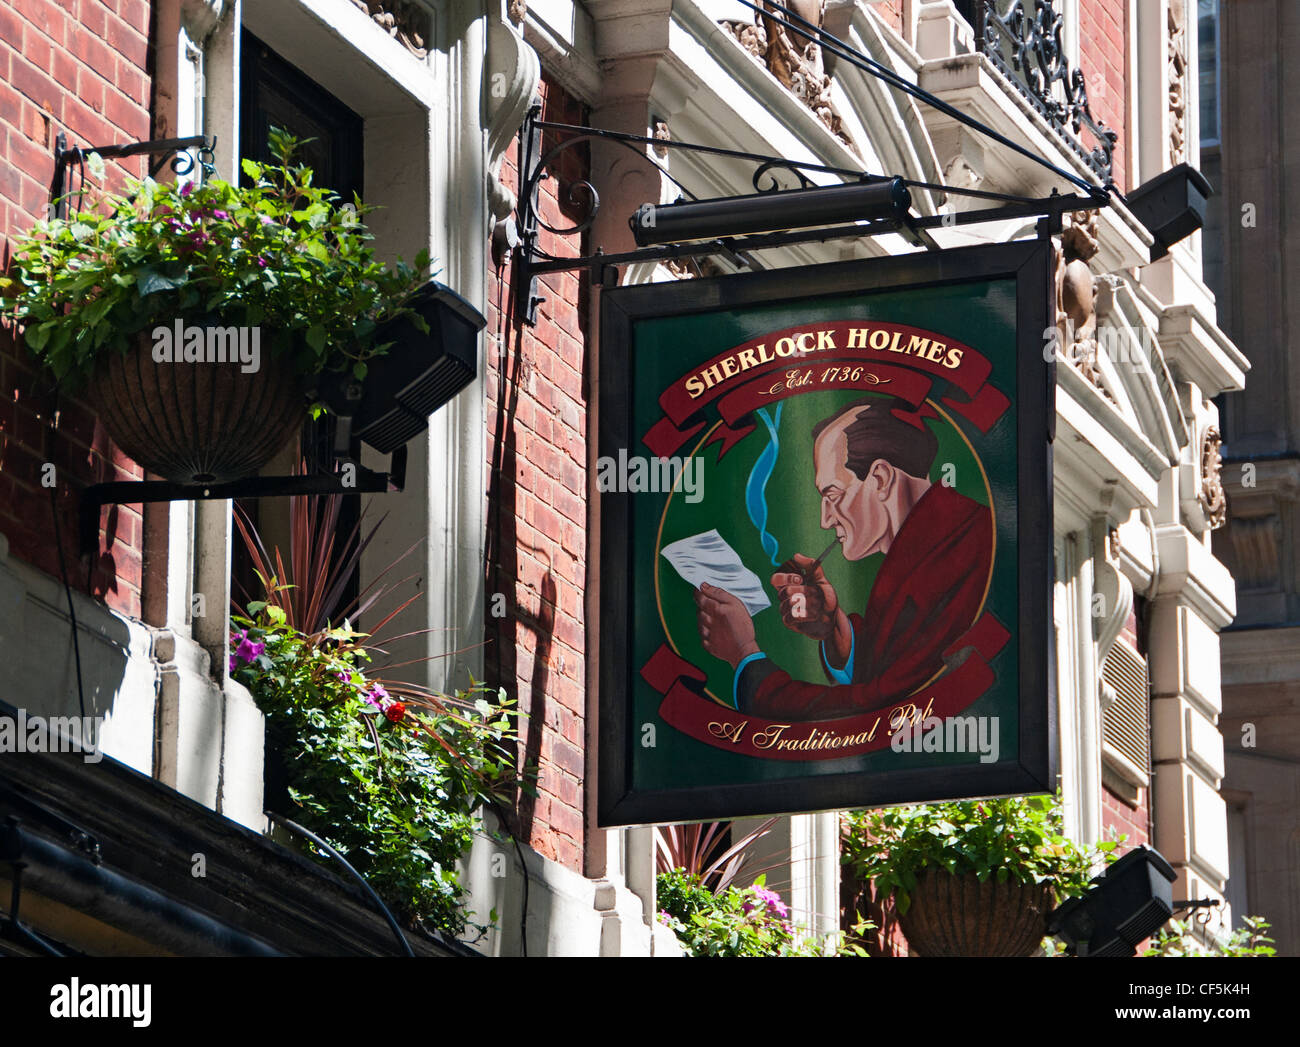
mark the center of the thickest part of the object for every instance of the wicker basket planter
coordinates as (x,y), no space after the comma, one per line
(197,422)
(960,916)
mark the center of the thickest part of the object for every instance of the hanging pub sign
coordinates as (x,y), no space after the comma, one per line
(826,534)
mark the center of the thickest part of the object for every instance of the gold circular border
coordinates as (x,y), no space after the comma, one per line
(988,490)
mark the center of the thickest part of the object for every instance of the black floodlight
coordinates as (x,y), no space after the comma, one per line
(1171,206)
(770,212)
(1130,902)
(419,373)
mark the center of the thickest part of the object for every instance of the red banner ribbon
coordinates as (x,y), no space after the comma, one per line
(687,709)
(816,358)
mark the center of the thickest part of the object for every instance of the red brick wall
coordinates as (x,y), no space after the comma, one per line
(891,13)
(80,67)
(1120,819)
(1103,58)
(537,515)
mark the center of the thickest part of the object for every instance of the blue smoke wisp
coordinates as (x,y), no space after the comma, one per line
(756,488)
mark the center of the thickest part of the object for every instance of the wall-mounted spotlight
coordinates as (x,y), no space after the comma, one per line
(1130,901)
(1171,205)
(770,212)
(419,373)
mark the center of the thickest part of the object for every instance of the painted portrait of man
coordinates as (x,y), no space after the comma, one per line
(871,468)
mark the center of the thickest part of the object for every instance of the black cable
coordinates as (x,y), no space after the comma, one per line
(397,930)
(984,194)
(72,613)
(840,49)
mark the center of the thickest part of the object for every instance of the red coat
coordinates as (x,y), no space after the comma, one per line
(927,594)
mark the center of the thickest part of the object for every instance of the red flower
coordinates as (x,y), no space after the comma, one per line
(395,712)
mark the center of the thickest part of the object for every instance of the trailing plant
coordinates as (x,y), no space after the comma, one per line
(389,774)
(281,254)
(1021,840)
(1178,939)
(733,922)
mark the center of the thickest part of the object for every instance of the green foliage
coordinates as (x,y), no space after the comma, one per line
(1177,939)
(1014,839)
(393,781)
(733,922)
(281,254)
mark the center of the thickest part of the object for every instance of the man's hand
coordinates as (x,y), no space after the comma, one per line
(811,607)
(807,606)
(726,628)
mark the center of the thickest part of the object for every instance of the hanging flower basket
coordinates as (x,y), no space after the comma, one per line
(953,915)
(201,421)
(278,257)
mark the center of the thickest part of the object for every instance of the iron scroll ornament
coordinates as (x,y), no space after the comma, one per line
(583,193)
(183,161)
(1028,50)
(177,150)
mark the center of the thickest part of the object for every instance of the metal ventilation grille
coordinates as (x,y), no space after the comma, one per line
(1124,726)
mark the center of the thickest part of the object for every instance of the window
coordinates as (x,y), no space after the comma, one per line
(1207,36)
(275,93)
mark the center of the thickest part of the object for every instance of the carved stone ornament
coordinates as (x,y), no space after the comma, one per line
(753,38)
(689,268)
(1177,74)
(405,21)
(1112,591)
(1076,296)
(662,134)
(511,76)
(1213,498)
(517,11)
(798,66)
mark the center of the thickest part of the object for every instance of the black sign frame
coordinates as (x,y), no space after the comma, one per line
(1028,263)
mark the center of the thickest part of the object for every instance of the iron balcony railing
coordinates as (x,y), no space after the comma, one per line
(1022,38)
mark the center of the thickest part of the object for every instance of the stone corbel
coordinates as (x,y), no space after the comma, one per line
(200,17)
(941,31)
(510,80)
(1112,592)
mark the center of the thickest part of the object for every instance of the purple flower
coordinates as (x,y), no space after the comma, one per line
(770,900)
(265,220)
(246,650)
(378,697)
(187,188)
(261,262)
(222,215)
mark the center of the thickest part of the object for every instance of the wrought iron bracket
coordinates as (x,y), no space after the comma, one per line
(531,262)
(130,492)
(178,149)
(1187,906)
